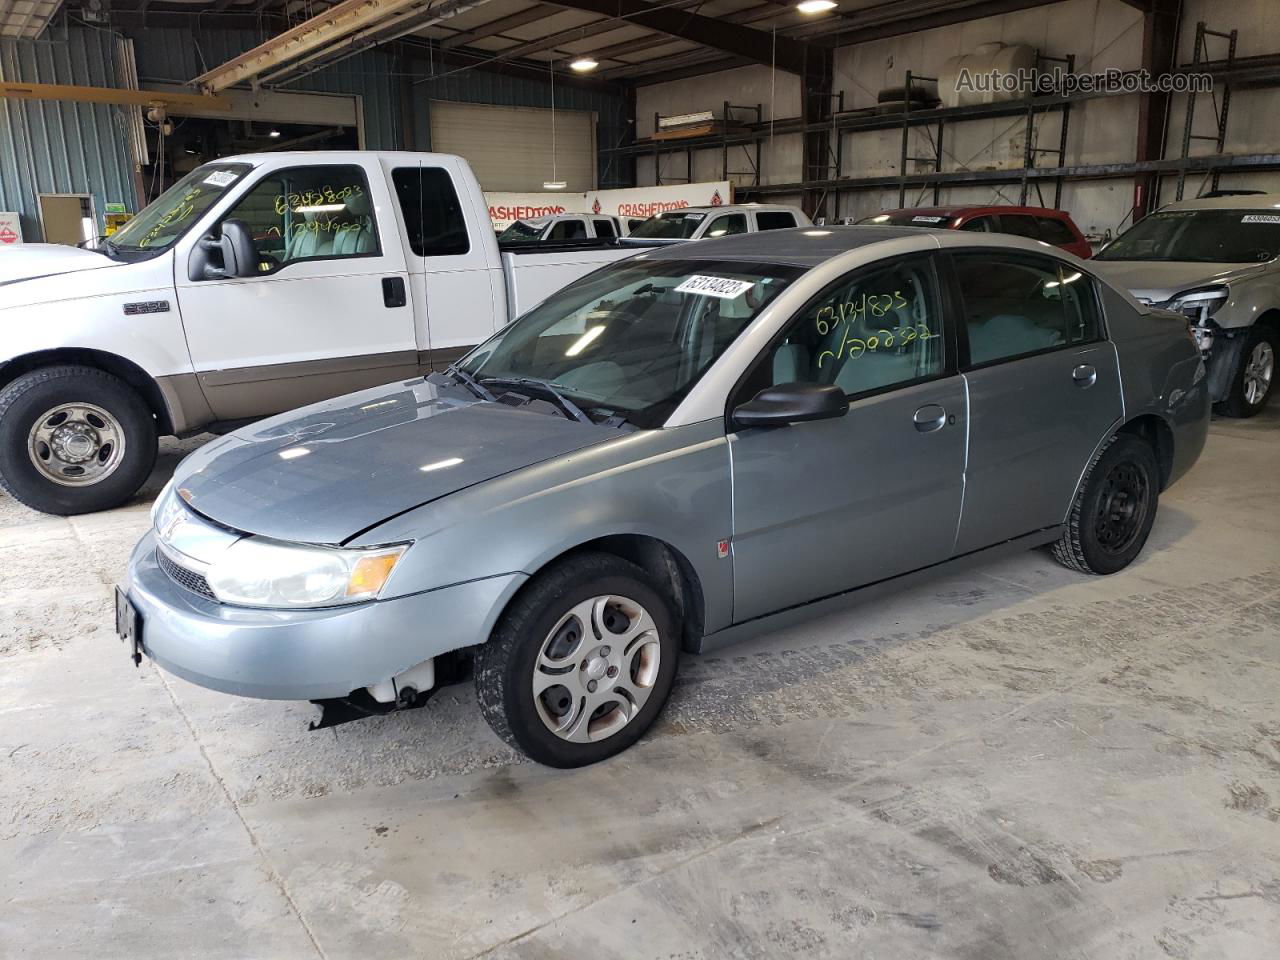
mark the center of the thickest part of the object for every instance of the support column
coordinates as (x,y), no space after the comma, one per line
(1159,53)
(816,85)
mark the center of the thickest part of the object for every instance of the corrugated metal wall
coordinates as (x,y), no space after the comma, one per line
(56,147)
(49,147)
(170,55)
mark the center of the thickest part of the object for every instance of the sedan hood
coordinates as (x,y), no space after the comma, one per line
(327,472)
(33,260)
(1156,281)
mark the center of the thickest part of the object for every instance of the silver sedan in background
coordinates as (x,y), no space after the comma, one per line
(683,448)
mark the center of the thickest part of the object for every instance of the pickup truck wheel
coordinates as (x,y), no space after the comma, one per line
(1255,374)
(1113,512)
(74,440)
(581,662)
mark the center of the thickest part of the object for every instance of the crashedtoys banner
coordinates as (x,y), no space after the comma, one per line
(630,204)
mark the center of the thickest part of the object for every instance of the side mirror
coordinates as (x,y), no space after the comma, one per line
(792,403)
(233,245)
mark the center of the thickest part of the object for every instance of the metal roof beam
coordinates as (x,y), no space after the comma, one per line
(494,27)
(717,34)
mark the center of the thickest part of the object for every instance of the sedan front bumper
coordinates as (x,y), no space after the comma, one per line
(304,654)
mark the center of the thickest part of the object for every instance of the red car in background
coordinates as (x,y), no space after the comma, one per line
(1039,223)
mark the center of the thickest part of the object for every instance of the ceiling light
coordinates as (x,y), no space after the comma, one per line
(553,184)
(276,133)
(584,64)
(816,6)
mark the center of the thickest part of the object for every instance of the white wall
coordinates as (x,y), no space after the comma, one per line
(1100,33)
(777,93)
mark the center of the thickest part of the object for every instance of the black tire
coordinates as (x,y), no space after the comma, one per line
(1107,527)
(504,667)
(32,395)
(1237,403)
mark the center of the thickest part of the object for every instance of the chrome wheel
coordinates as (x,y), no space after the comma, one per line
(596,669)
(76,444)
(1258,371)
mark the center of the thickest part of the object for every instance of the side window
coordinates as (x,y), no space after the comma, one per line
(568,230)
(978,225)
(1054,231)
(1019,306)
(873,329)
(604,228)
(304,213)
(1020,225)
(775,220)
(432,213)
(727,225)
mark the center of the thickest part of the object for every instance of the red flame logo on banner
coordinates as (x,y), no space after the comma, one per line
(715,199)
(595,206)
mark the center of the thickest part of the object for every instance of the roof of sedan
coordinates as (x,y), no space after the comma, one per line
(810,246)
(802,246)
(1244,201)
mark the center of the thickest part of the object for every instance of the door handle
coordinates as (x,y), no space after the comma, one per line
(393,292)
(1085,375)
(929,418)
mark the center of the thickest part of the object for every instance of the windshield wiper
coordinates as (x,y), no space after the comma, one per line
(566,404)
(470,382)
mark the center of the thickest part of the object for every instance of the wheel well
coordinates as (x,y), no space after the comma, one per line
(117,366)
(1158,434)
(670,569)
(1271,319)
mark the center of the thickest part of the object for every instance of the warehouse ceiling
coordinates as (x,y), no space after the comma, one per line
(631,40)
(26,18)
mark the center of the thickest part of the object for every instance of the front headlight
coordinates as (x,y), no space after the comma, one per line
(1199,305)
(266,573)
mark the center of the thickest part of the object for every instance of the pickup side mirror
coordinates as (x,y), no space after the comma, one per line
(792,403)
(233,245)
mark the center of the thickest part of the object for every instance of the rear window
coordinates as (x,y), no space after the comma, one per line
(775,220)
(1020,225)
(432,212)
(1054,231)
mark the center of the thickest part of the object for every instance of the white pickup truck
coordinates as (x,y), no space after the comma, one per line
(255,284)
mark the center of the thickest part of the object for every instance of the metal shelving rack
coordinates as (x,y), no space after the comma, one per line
(1233,72)
(723,139)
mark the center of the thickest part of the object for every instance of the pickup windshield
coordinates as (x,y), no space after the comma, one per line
(1201,236)
(672,225)
(630,341)
(522,231)
(163,221)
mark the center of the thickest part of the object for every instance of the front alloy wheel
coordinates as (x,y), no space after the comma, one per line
(580,663)
(1255,374)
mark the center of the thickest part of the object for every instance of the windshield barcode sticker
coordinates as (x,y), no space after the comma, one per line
(220,178)
(927,219)
(721,287)
(1261,218)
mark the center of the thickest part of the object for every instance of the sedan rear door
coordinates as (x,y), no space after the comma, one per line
(1044,390)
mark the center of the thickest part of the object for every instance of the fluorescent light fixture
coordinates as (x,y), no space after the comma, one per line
(816,6)
(581,343)
(553,185)
(321,208)
(293,453)
(274,133)
(441,464)
(584,64)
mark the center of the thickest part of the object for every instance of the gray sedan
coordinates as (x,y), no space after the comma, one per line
(683,448)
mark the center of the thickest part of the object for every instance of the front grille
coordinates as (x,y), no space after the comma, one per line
(187,579)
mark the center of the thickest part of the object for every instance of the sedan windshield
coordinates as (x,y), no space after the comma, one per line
(672,225)
(630,340)
(522,231)
(1201,236)
(167,218)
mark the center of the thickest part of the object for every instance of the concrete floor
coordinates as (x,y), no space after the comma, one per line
(1017,762)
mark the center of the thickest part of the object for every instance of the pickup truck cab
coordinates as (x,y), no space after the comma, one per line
(255,284)
(563,227)
(696,223)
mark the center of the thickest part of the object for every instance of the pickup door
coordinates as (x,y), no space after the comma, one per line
(329,311)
